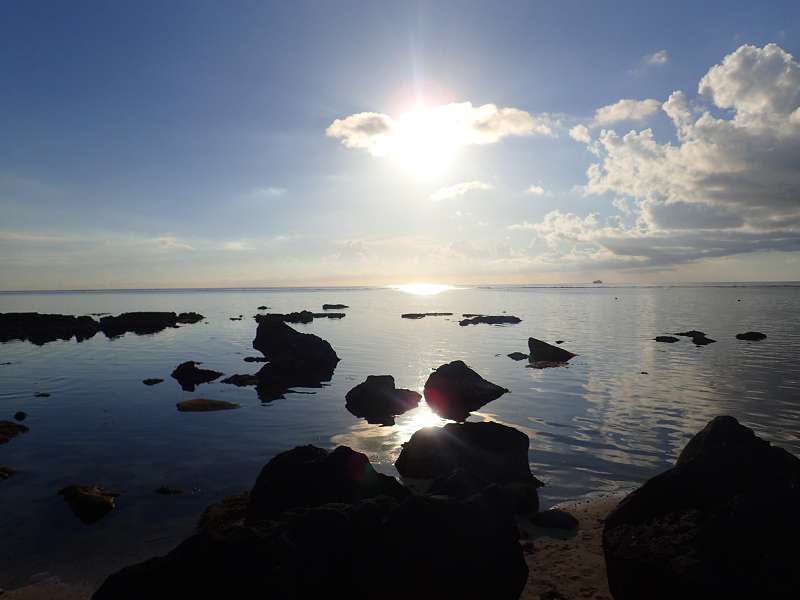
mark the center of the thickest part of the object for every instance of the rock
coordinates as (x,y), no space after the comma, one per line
(290,350)
(518,356)
(89,503)
(9,429)
(303,316)
(42,328)
(667,339)
(698,337)
(555,519)
(542,351)
(598,281)
(6,472)
(205,405)
(423,315)
(20,415)
(546,364)
(329,315)
(454,390)
(239,318)
(309,476)
(334,306)
(751,336)
(255,359)
(152,381)
(559,341)
(722,523)
(378,400)
(490,320)
(3,364)
(242,380)
(263,308)
(189,376)
(166,490)
(691,333)
(41,395)
(487,452)
(143,323)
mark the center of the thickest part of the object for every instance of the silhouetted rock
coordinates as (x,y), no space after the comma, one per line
(559,341)
(20,415)
(722,523)
(330,315)
(9,429)
(334,306)
(241,380)
(42,328)
(667,339)
(751,336)
(239,318)
(698,337)
(378,401)
(518,356)
(89,503)
(263,308)
(423,315)
(303,316)
(255,359)
(6,472)
(309,476)
(205,405)
(152,381)
(41,395)
(454,390)
(189,376)
(490,320)
(542,351)
(143,323)
(166,490)
(555,519)
(291,350)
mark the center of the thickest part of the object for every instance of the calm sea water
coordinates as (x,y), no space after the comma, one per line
(598,425)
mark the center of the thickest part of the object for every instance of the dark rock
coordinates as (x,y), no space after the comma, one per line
(722,523)
(290,350)
(3,364)
(559,341)
(308,476)
(470,315)
(702,341)
(42,328)
(334,306)
(330,315)
(239,318)
(143,323)
(491,320)
(263,308)
(189,376)
(89,503)
(518,356)
(454,390)
(426,314)
(166,490)
(598,281)
(485,451)
(542,351)
(459,484)
(555,519)
(152,381)
(6,472)
(303,316)
(20,415)
(190,318)
(698,337)
(41,395)
(205,405)
(255,359)
(378,400)
(546,364)
(9,429)
(751,336)
(667,339)
(242,380)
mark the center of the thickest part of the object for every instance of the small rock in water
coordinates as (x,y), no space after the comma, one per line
(263,308)
(667,339)
(425,314)
(20,416)
(544,352)
(491,320)
(518,356)
(41,395)
(643,373)
(89,503)
(698,337)
(559,341)
(205,405)
(152,381)
(378,400)
(239,318)
(751,336)
(166,490)
(334,306)
(454,390)
(189,376)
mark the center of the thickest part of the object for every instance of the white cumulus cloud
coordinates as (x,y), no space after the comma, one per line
(459,189)
(626,110)
(535,190)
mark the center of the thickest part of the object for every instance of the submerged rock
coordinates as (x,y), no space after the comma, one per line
(426,314)
(205,405)
(518,356)
(20,415)
(490,320)
(42,328)
(544,352)
(88,502)
(9,429)
(751,336)
(152,381)
(334,306)
(143,323)
(667,339)
(378,400)
(454,390)
(189,376)
(722,523)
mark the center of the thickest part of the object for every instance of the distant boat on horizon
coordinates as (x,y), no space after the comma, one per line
(598,281)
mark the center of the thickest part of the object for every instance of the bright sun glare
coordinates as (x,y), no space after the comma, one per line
(425,142)
(422,289)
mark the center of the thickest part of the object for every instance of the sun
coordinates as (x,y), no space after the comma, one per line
(425,142)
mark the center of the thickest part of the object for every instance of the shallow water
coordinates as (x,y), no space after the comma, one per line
(596,425)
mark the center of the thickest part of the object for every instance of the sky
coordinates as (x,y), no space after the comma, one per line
(229,144)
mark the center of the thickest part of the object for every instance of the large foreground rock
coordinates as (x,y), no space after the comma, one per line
(378,400)
(360,548)
(544,352)
(42,328)
(454,390)
(291,350)
(722,523)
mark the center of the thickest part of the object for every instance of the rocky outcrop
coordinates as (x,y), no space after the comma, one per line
(330,315)
(42,328)
(490,320)
(426,314)
(189,376)
(543,352)
(143,323)
(378,400)
(9,429)
(751,336)
(722,523)
(298,545)
(89,503)
(291,350)
(454,390)
(698,337)
(666,339)
(334,306)
(205,405)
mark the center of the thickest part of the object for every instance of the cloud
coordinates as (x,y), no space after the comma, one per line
(626,110)
(268,192)
(581,134)
(535,190)
(656,58)
(729,184)
(459,189)
(171,242)
(460,123)
(235,246)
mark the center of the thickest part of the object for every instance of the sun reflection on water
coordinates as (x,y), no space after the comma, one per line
(422,289)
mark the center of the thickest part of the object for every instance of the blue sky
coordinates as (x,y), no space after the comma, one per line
(194,144)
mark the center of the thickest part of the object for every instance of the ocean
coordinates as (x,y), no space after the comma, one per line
(619,413)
